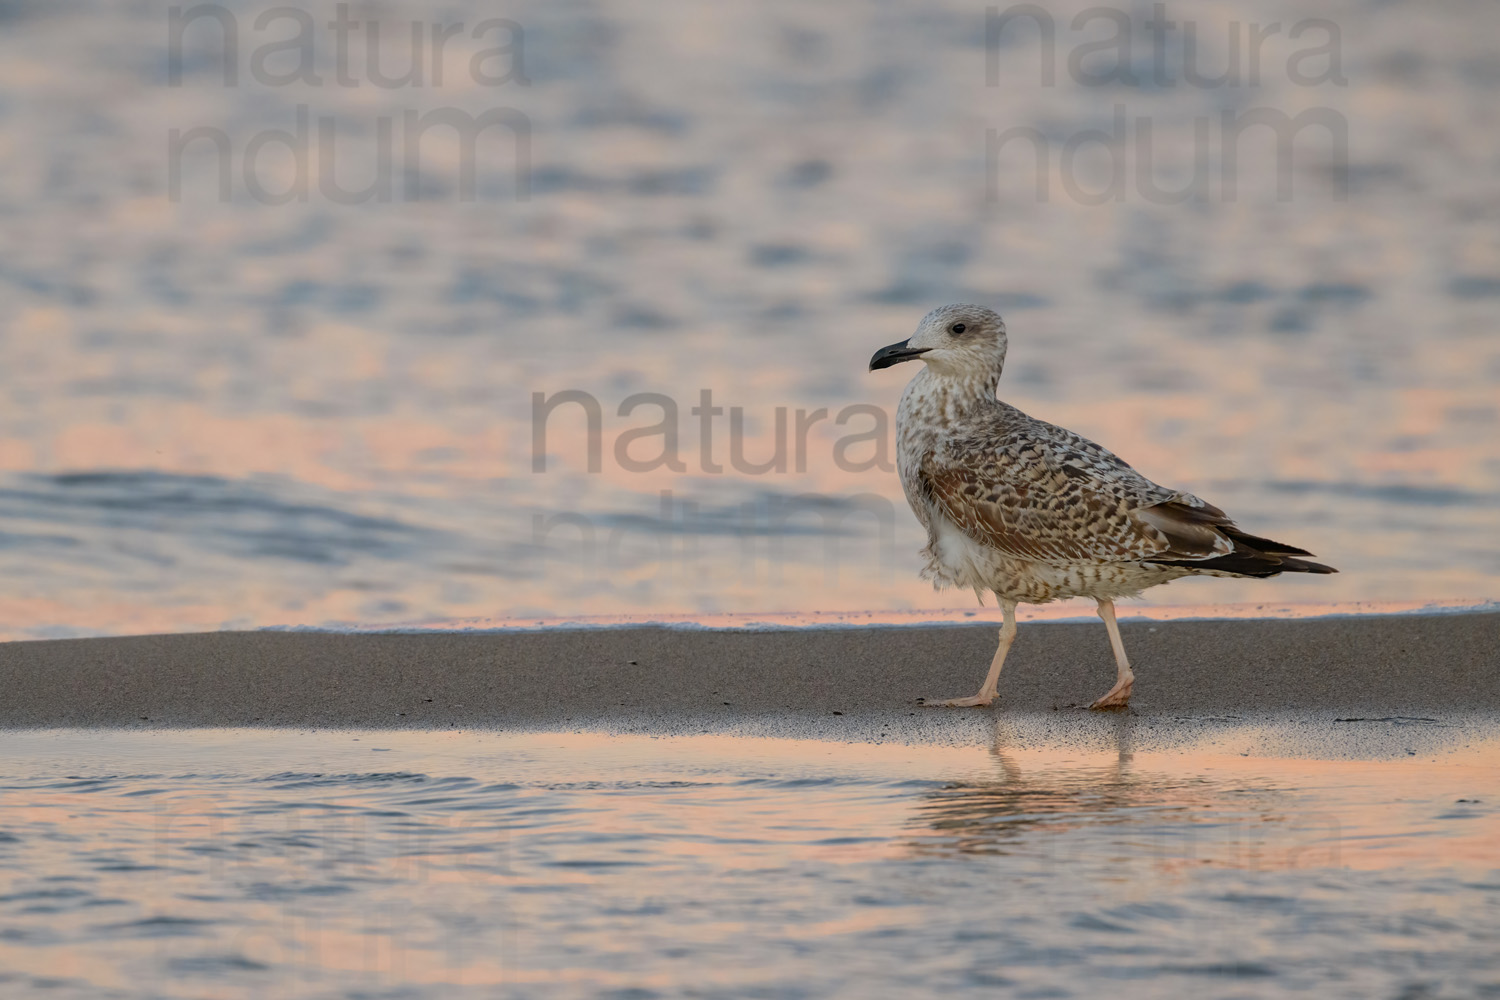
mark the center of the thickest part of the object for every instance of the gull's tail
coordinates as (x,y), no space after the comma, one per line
(1252,556)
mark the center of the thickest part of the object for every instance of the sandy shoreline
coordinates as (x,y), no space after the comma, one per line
(1386,664)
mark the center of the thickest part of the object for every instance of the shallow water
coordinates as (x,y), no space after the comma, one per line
(235,413)
(1211,856)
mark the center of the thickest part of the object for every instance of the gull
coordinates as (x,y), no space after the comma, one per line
(1033,512)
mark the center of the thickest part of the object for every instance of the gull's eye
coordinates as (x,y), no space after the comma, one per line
(957,328)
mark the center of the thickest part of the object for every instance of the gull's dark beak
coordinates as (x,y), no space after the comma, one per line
(895,354)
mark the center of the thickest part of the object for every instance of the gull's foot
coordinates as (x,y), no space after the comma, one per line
(974,701)
(1117,697)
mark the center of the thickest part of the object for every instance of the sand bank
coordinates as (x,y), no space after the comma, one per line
(1382,664)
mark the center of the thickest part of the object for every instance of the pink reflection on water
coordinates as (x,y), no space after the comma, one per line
(594,844)
(850,563)
(1240,810)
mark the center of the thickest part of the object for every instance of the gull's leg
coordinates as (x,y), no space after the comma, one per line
(992,679)
(1119,695)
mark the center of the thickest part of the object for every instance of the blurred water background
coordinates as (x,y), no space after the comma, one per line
(232,399)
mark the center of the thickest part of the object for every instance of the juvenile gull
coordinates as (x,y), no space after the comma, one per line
(1034,512)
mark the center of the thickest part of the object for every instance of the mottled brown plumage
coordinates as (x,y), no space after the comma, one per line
(1032,511)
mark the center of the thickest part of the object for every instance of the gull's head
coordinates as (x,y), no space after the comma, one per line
(957,340)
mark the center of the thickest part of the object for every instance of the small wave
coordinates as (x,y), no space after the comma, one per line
(295,779)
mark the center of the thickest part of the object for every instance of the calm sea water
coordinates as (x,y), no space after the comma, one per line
(233,399)
(1214,858)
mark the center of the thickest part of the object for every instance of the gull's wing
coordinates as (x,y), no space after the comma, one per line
(1037,491)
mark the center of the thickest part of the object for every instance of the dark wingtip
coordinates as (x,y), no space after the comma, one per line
(1305,566)
(1260,544)
(1248,562)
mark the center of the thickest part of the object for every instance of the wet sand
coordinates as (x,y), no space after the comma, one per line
(1379,665)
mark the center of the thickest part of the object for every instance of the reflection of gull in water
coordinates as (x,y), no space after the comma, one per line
(1034,512)
(1001,816)
(1105,810)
